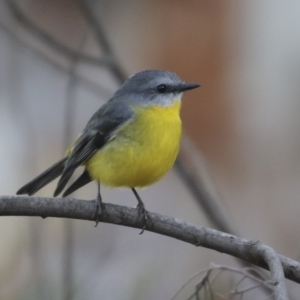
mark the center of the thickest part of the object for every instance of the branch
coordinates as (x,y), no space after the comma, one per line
(49,40)
(251,251)
(92,17)
(272,259)
(237,288)
(93,87)
(212,209)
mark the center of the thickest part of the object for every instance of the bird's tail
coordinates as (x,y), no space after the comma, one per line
(81,181)
(40,181)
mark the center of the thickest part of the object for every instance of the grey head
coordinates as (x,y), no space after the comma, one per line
(153,87)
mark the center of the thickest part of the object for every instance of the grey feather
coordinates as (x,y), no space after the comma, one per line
(97,133)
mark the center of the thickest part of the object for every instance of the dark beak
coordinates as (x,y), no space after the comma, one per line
(188,86)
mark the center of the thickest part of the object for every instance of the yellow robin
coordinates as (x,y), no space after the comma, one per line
(131,141)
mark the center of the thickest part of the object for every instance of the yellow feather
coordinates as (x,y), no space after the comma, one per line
(142,151)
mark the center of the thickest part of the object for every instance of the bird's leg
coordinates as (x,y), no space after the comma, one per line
(98,206)
(141,209)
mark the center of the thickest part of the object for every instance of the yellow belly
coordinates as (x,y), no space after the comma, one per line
(142,152)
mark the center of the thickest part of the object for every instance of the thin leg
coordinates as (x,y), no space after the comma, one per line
(141,209)
(98,206)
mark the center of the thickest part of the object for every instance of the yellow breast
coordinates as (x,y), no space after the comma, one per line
(142,151)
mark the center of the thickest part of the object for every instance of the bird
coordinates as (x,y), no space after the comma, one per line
(131,141)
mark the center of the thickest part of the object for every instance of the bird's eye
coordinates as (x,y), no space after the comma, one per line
(162,88)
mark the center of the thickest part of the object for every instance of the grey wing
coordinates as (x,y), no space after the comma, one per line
(96,134)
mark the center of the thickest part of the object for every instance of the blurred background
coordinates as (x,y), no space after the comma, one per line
(241,143)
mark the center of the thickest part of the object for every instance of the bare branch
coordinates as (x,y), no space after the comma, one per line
(93,87)
(221,268)
(49,40)
(192,168)
(275,267)
(207,280)
(251,251)
(93,19)
(212,209)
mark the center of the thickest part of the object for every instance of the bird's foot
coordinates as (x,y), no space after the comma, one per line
(142,215)
(99,209)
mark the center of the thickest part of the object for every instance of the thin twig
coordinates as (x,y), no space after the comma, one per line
(213,211)
(192,167)
(244,290)
(216,277)
(50,41)
(211,294)
(91,86)
(221,268)
(251,251)
(246,273)
(92,17)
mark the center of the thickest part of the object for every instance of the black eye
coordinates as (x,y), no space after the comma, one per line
(162,88)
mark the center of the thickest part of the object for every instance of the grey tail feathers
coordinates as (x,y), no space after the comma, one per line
(43,179)
(82,180)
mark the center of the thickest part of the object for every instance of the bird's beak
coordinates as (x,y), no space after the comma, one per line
(188,86)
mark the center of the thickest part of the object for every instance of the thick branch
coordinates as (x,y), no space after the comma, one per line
(251,251)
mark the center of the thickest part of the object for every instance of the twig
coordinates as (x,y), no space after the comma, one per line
(93,87)
(221,268)
(251,251)
(49,40)
(212,209)
(93,20)
(192,168)
(275,267)
(246,272)
(244,290)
